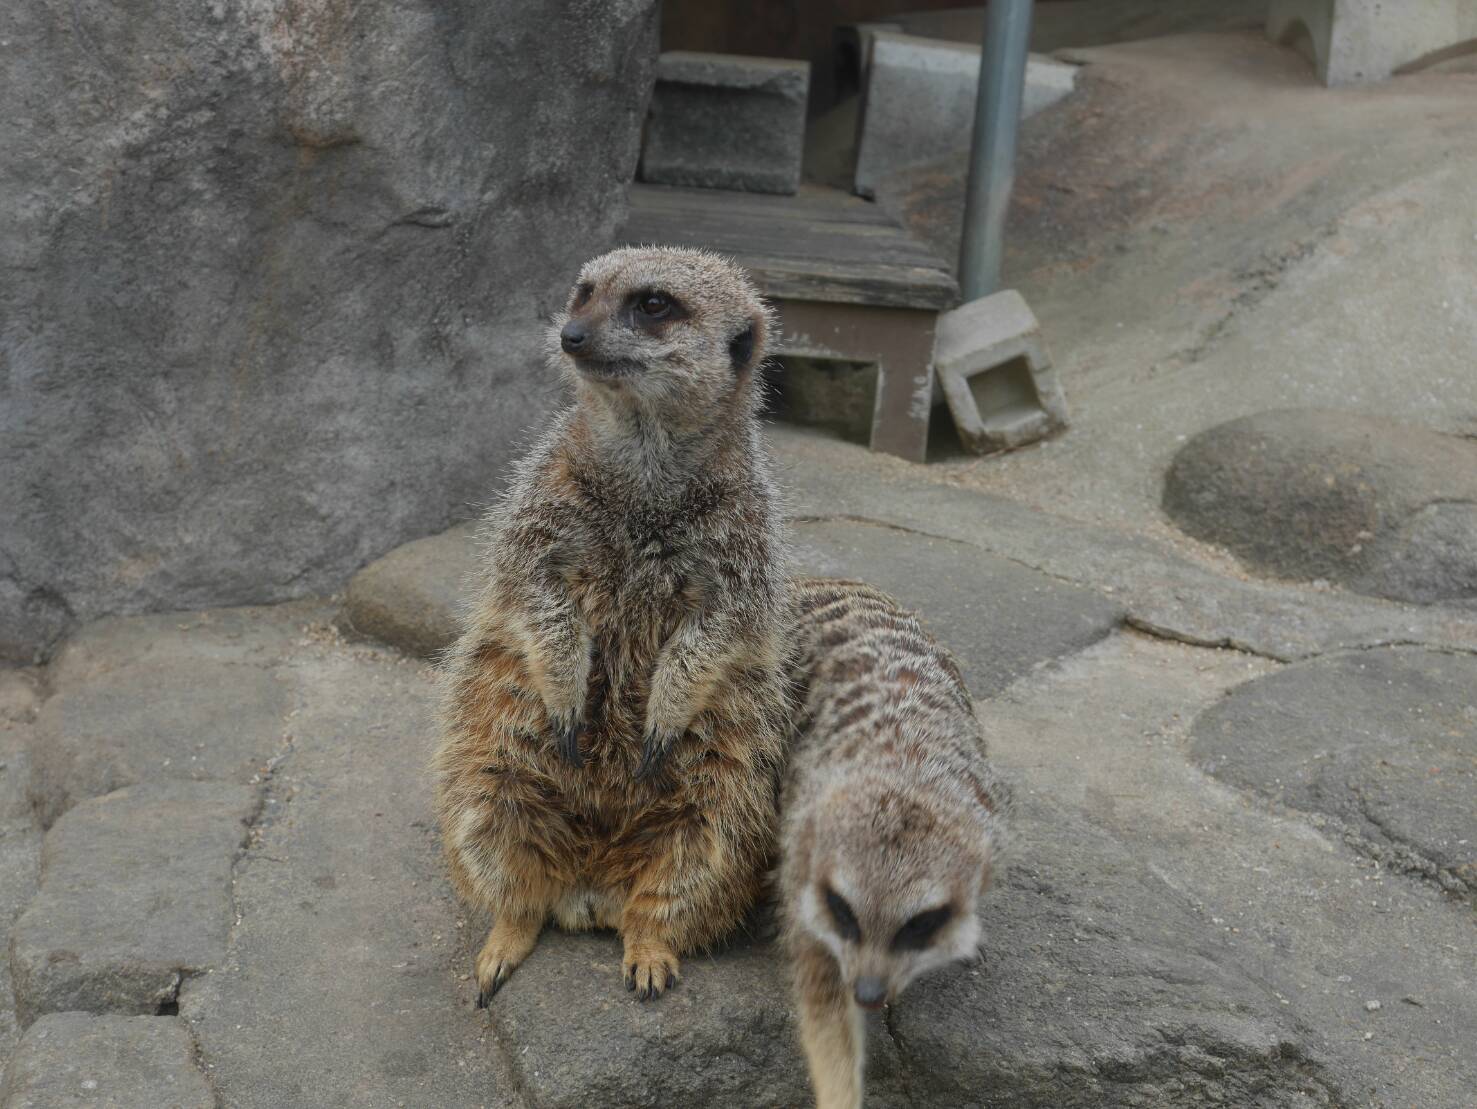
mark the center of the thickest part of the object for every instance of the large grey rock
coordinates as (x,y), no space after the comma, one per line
(77,1059)
(1385,741)
(19,696)
(919,100)
(272,277)
(1002,619)
(345,986)
(1097,987)
(179,718)
(722,121)
(1381,507)
(20,867)
(410,598)
(135,896)
(20,857)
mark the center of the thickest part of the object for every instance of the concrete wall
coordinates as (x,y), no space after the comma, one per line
(1354,41)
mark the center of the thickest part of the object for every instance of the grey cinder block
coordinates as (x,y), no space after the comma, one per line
(723,121)
(920,96)
(996,375)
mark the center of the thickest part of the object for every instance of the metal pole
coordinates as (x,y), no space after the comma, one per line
(997,117)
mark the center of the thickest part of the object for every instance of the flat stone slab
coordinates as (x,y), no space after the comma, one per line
(1164,592)
(725,121)
(1383,508)
(1097,987)
(1002,619)
(1383,740)
(410,598)
(182,717)
(343,986)
(135,895)
(77,1059)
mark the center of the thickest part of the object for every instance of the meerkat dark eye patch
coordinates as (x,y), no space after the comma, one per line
(841,913)
(741,347)
(583,293)
(919,932)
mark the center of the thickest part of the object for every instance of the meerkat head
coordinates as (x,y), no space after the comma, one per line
(892,887)
(671,330)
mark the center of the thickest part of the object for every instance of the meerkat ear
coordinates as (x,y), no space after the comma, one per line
(741,347)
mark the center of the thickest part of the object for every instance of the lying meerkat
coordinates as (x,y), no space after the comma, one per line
(892,821)
(615,711)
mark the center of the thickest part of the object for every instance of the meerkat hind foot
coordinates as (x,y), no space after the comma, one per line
(650,968)
(507,945)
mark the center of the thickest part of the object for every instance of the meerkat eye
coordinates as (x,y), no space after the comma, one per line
(654,304)
(845,919)
(582,293)
(919,931)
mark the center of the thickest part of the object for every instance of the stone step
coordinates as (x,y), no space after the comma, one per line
(135,896)
(1003,618)
(78,1059)
(410,597)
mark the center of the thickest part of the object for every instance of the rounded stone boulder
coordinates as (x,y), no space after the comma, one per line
(1380,507)
(1384,741)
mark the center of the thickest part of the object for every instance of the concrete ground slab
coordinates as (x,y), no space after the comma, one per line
(188,719)
(80,1060)
(135,896)
(341,986)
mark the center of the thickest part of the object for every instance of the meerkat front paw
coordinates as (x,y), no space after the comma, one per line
(507,945)
(564,701)
(650,968)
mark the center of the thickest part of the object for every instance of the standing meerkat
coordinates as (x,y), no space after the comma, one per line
(893,819)
(614,715)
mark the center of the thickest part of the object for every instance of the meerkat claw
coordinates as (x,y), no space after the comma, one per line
(569,745)
(653,753)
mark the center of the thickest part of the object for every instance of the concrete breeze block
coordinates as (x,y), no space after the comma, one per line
(920,95)
(723,121)
(994,372)
(1353,41)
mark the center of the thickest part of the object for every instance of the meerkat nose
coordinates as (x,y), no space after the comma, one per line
(573,337)
(870,992)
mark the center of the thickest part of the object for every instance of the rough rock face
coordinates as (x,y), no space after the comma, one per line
(1383,508)
(271,275)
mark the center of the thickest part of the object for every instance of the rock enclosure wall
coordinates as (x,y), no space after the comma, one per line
(272,275)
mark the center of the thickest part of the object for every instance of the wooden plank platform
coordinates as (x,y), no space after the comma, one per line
(819,245)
